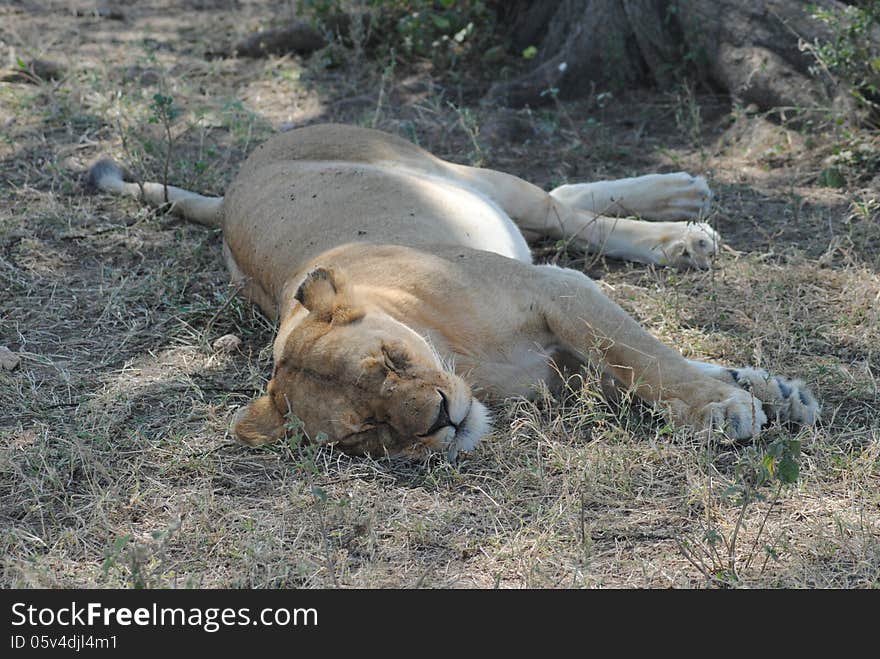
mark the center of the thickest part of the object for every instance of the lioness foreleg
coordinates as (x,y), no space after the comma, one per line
(587,323)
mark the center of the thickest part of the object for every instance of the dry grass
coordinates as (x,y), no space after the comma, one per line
(117,468)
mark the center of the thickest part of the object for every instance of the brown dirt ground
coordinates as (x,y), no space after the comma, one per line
(116,464)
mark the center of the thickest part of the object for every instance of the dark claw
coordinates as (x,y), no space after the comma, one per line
(784,389)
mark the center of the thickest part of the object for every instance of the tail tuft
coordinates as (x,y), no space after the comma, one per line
(104,175)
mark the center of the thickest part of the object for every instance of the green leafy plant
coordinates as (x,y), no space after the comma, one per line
(445,31)
(855,157)
(164,112)
(718,555)
(306,450)
(852,55)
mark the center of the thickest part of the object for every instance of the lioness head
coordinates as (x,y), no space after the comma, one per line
(359,379)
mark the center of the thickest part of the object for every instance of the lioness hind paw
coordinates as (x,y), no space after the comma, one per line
(687,245)
(680,196)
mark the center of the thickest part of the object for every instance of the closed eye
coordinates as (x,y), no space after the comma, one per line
(395,360)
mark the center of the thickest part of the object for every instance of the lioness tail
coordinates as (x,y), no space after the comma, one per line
(105,175)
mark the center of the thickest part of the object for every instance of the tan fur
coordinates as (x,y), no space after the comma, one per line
(405,292)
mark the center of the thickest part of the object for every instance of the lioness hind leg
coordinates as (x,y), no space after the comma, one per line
(248,287)
(784,399)
(538,213)
(678,196)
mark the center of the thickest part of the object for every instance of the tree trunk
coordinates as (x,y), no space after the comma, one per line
(751,49)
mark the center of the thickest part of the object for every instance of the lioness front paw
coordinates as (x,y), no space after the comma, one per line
(784,399)
(686,245)
(739,416)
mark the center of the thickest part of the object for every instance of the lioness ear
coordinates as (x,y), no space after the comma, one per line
(327,296)
(258,423)
(319,290)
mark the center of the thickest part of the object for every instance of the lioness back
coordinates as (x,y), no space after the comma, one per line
(338,142)
(308,191)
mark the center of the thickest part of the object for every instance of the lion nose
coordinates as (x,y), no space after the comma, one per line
(443,419)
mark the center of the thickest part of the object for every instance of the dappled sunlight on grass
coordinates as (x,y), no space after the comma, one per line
(116,463)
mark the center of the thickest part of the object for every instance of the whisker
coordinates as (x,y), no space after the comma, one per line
(447,365)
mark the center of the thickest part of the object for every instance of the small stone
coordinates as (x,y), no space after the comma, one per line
(8,359)
(227,343)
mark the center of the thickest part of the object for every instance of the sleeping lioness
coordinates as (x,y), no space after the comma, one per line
(405,292)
